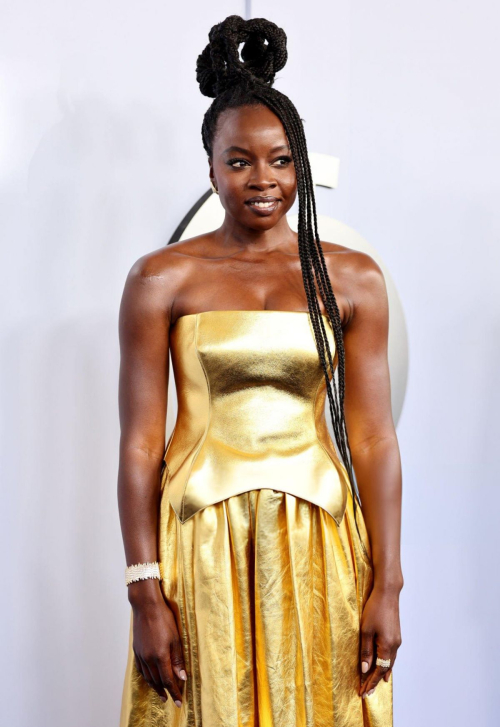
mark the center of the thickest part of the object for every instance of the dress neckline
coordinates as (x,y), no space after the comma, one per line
(266,310)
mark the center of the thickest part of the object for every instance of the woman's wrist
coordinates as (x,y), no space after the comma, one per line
(388,581)
(145,593)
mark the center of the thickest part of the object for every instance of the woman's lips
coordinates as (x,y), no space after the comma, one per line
(263,209)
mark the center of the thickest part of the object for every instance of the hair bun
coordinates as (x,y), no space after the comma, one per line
(219,66)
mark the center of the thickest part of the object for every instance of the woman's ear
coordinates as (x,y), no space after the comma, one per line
(211,173)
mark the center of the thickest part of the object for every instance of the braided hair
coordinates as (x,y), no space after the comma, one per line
(233,82)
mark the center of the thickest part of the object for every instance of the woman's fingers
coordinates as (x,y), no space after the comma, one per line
(152,677)
(389,670)
(158,651)
(168,680)
(374,678)
(138,665)
(384,652)
(177,657)
(380,636)
(366,656)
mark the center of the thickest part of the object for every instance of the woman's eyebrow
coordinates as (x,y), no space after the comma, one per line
(245,151)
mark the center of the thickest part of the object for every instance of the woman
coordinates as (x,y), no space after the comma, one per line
(260,592)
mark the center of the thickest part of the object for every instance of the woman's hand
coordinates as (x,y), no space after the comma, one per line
(158,649)
(380,637)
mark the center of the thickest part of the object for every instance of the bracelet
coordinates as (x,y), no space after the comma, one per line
(141,571)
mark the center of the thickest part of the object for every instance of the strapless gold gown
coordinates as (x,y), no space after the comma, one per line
(263,566)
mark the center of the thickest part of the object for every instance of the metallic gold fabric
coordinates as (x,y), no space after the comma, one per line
(267,579)
(251,392)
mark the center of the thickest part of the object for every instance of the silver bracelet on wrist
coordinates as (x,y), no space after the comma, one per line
(141,571)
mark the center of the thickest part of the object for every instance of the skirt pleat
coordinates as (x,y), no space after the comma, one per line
(268,593)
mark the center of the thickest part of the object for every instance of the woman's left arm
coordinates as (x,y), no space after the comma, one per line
(376,461)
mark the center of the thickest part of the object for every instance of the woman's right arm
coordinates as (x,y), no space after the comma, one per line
(144,372)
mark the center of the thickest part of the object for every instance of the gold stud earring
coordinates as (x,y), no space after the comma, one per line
(213,188)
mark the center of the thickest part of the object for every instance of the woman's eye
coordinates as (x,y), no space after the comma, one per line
(233,162)
(239,163)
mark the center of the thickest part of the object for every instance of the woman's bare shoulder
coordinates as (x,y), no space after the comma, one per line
(167,260)
(358,266)
(156,279)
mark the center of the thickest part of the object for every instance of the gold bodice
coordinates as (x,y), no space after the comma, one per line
(251,411)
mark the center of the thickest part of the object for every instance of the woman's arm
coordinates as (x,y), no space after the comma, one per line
(376,461)
(144,373)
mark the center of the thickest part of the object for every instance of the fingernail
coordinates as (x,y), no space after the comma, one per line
(364,667)
(163,699)
(371,691)
(178,703)
(183,674)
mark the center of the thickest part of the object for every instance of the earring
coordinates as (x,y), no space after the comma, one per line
(213,188)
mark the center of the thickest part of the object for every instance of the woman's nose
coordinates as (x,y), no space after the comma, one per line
(261,175)
(262,179)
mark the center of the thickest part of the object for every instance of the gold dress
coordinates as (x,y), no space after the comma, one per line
(263,566)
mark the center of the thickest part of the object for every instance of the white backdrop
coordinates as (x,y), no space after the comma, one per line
(100,158)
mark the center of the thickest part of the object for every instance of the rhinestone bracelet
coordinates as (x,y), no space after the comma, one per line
(141,571)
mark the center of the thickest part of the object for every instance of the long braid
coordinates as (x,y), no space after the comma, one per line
(314,248)
(233,82)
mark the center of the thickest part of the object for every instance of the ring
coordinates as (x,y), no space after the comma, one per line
(382,662)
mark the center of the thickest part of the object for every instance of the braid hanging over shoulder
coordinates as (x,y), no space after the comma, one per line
(233,82)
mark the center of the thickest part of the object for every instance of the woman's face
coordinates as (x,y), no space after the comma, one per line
(252,160)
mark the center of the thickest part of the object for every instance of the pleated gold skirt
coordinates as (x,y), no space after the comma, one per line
(268,593)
